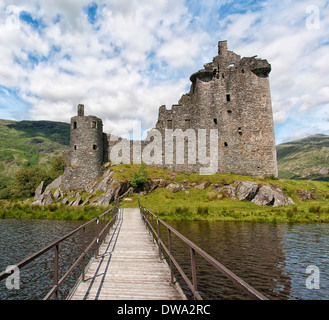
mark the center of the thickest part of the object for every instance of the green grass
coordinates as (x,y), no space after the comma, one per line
(207,204)
(196,207)
(20,210)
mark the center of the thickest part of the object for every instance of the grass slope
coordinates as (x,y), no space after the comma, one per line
(30,143)
(305,158)
(203,204)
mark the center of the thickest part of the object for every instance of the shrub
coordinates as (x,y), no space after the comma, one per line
(203,211)
(140,177)
(182,210)
(314,209)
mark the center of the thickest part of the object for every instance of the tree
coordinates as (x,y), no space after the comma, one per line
(57,166)
(140,177)
(26,181)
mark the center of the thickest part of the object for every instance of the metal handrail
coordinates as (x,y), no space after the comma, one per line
(95,243)
(193,285)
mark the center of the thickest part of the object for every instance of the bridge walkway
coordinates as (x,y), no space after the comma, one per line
(128,266)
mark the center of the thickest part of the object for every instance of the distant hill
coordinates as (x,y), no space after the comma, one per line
(304,159)
(30,143)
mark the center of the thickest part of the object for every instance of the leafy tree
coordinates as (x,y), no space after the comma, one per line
(140,177)
(26,181)
(4,188)
(57,166)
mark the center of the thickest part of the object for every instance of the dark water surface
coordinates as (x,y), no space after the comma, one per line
(20,239)
(270,257)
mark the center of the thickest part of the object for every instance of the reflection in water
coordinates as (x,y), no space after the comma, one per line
(270,257)
(307,245)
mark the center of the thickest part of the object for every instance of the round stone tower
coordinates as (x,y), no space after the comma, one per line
(86,151)
(86,140)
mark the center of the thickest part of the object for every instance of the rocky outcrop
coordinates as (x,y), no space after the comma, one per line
(105,190)
(38,191)
(246,190)
(175,187)
(305,195)
(263,195)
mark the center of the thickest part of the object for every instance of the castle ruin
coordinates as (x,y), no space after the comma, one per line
(225,119)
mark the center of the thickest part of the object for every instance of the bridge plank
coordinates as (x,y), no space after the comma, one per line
(128,266)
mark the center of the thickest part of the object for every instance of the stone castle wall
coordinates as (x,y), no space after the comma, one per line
(231,95)
(229,99)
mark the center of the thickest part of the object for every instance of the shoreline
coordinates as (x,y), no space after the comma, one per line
(179,210)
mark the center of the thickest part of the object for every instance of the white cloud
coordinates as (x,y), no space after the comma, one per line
(106,67)
(139,54)
(300,74)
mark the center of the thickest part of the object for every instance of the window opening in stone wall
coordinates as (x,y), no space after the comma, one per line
(225,144)
(228,97)
(229,111)
(74,125)
(187,123)
(240,131)
(93,124)
(75,148)
(94,146)
(242,70)
(215,121)
(169,124)
(223,75)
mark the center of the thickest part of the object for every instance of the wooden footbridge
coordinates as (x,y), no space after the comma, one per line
(128,267)
(131,261)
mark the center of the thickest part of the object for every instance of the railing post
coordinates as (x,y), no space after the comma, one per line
(96,237)
(159,248)
(83,246)
(56,271)
(170,261)
(193,266)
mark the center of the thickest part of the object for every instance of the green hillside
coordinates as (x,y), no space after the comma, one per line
(25,144)
(303,159)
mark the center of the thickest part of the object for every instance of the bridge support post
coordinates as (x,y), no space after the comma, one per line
(159,244)
(56,272)
(193,266)
(170,260)
(96,238)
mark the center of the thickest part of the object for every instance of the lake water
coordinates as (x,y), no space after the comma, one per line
(273,258)
(20,239)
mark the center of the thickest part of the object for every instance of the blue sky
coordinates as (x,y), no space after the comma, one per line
(125,58)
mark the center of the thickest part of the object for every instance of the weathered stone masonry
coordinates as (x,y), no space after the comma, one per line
(86,151)
(231,95)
